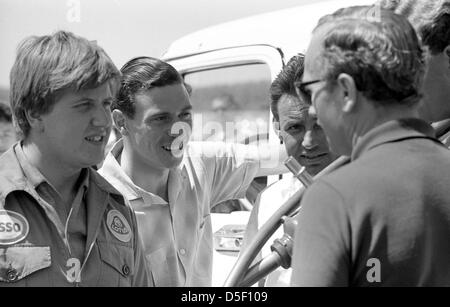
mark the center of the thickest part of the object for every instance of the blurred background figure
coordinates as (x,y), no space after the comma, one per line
(224,108)
(7,132)
(431,19)
(222,104)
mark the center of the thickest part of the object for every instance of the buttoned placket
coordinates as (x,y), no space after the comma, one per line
(175,182)
(93,223)
(94,214)
(53,215)
(74,209)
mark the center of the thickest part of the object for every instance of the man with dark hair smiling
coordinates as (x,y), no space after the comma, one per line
(171,183)
(71,227)
(304,140)
(383,219)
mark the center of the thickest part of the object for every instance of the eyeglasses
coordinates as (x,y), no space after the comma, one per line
(302,92)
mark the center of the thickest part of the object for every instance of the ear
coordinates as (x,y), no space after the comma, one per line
(348,92)
(120,122)
(35,120)
(447,55)
(276,128)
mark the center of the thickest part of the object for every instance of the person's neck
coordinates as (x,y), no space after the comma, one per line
(148,178)
(376,116)
(61,177)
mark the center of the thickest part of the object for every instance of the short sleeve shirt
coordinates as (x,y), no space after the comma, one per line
(177,235)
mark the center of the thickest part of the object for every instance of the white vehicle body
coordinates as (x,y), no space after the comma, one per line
(265,42)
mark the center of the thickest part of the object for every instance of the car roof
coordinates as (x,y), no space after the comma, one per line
(288,30)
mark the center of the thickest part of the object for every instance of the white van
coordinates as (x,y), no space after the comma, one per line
(230,68)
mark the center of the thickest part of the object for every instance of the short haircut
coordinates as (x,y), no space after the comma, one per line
(430,18)
(141,74)
(379,49)
(284,82)
(46,65)
(5,112)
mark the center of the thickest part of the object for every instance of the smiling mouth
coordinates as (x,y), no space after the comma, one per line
(95,139)
(168,148)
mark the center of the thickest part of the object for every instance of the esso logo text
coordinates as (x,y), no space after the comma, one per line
(13,227)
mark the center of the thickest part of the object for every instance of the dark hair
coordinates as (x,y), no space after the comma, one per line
(430,18)
(284,82)
(140,74)
(379,49)
(47,64)
(5,112)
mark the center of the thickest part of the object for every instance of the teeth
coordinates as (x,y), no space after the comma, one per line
(168,148)
(94,138)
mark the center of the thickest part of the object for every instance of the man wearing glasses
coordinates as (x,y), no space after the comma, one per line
(382,219)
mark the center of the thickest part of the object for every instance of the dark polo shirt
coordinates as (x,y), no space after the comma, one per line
(381,220)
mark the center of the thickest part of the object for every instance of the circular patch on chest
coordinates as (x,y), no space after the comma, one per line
(118,226)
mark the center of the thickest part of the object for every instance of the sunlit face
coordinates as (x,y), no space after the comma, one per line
(75,132)
(324,98)
(161,126)
(436,88)
(303,137)
(7,136)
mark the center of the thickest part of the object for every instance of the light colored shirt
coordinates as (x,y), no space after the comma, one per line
(445,139)
(269,201)
(177,235)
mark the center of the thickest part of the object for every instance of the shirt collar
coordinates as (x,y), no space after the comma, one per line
(33,175)
(392,131)
(114,173)
(36,178)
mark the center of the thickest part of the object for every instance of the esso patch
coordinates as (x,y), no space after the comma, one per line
(13,227)
(118,226)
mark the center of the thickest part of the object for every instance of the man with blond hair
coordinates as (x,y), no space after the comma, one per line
(62,223)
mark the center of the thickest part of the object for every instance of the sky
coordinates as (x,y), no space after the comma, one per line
(124,28)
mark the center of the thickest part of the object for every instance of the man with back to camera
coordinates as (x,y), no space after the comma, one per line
(170,183)
(431,19)
(70,226)
(304,140)
(383,219)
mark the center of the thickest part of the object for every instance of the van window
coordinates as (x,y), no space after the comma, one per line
(231,103)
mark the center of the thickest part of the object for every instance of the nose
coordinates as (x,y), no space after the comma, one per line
(102,117)
(179,128)
(309,140)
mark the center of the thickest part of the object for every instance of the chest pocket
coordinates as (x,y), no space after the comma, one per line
(164,267)
(18,263)
(118,264)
